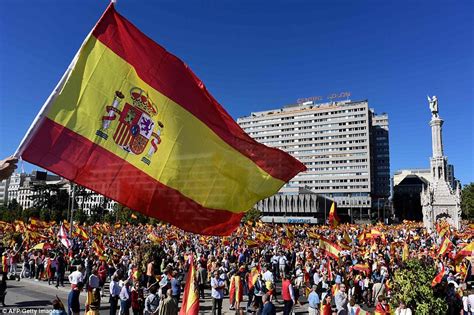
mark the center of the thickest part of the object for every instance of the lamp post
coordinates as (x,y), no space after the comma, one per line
(73,188)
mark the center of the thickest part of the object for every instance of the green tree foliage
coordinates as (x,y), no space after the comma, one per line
(467,203)
(253,215)
(412,283)
(52,201)
(80,216)
(10,212)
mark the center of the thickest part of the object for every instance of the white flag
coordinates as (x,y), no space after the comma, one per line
(62,235)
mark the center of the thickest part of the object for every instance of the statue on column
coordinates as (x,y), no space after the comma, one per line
(433,106)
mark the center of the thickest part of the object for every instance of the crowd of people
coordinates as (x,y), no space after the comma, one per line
(141,269)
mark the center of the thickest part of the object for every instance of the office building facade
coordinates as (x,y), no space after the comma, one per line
(337,142)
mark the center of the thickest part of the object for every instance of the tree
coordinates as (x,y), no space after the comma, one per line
(467,202)
(51,199)
(253,215)
(80,216)
(412,283)
(10,212)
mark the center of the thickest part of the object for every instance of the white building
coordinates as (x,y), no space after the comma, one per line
(4,185)
(335,141)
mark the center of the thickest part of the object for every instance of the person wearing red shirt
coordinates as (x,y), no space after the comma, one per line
(382,307)
(326,306)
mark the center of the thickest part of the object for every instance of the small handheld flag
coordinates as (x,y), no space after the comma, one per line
(333,217)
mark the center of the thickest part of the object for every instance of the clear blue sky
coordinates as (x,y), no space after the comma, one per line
(257,55)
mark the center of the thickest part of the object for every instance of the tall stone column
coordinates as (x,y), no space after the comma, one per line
(439,200)
(436,124)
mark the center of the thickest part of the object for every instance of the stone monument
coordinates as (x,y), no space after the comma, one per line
(439,200)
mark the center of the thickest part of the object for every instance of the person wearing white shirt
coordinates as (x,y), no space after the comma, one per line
(402,309)
(93,279)
(76,277)
(114,289)
(316,277)
(268,276)
(282,263)
(274,261)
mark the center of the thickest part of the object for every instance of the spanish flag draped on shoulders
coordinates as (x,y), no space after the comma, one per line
(131,121)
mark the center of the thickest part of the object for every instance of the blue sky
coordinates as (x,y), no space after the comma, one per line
(257,55)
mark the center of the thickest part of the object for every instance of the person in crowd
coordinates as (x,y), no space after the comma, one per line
(236,289)
(73,304)
(168,305)
(58,307)
(326,308)
(60,269)
(382,307)
(152,301)
(114,290)
(313,301)
(175,284)
(287,294)
(259,290)
(202,279)
(341,300)
(76,276)
(137,299)
(3,288)
(217,293)
(268,307)
(124,297)
(402,309)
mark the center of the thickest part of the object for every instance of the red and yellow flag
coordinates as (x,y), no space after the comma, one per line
(362,268)
(190,305)
(131,121)
(81,233)
(331,249)
(288,232)
(437,279)
(333,217)
(445,245)
(467,250)
(98,247)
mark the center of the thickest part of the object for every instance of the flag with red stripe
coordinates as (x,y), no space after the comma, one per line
(132,122)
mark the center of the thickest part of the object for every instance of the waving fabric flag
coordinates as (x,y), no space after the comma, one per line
(190,305)
(62,235)
(331,249)
(333,217)
(131,121)
(438,278)
(444,247)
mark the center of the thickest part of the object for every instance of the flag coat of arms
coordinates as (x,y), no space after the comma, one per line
(131,121)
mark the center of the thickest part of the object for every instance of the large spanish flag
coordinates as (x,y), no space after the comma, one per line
(131,121)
